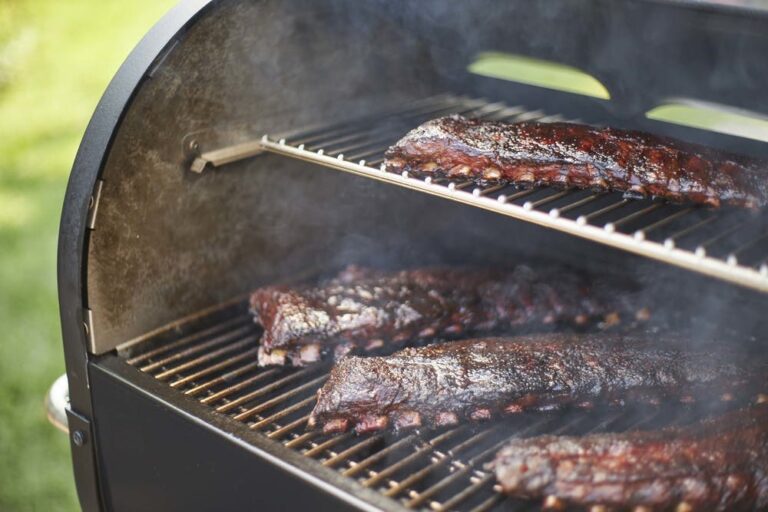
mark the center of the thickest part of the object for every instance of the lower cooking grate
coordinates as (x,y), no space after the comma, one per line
(212,358)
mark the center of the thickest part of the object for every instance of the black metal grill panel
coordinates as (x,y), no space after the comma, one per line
(213,359)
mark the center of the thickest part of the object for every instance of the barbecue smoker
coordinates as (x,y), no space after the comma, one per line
(240,145)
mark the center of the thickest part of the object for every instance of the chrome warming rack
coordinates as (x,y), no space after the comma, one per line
(211,358)
(728,243)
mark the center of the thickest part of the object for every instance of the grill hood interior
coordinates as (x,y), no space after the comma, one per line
(166,241)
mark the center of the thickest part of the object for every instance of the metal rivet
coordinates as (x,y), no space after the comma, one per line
(194,145)
(78,437)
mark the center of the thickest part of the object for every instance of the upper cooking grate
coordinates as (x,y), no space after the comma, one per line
(213,360)
(728,243)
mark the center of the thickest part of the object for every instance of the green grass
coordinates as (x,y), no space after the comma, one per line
(56,58)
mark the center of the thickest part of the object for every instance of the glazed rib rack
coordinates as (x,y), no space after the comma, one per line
(729,244)
(211,359)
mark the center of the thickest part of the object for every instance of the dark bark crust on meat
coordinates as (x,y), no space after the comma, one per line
(364,309)
(718,465)
(481,378)
(580,156)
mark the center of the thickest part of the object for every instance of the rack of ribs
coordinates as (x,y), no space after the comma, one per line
(718,464)
(365,309)
(579,156)
(478,379)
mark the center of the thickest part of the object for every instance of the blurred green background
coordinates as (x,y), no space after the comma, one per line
(56,58)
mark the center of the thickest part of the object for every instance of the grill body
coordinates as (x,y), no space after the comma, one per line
(144,242)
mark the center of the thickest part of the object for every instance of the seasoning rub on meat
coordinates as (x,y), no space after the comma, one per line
(367,309)
(478,379)
(715,465)
(579,156)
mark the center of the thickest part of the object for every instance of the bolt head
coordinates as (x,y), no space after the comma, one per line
(78,437)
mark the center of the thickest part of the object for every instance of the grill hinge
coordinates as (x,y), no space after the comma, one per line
(93,205)
(88,327)
(226,155)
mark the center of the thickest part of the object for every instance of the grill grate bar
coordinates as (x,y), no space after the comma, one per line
(330,443)
(300,440)
(636,215)
(548,199)
(194,349)
(227,377)
(354,449)
(442,460)
(313,384)
(280,432)
(465,468)
(726,233)
(691,229)
(376,457)
(249,354)
(220,395)
(581,202)
(248,397)
(283,413)
(208,356)
(477,483)
(602,211)
(150,354)
(420,451)
(666,220)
